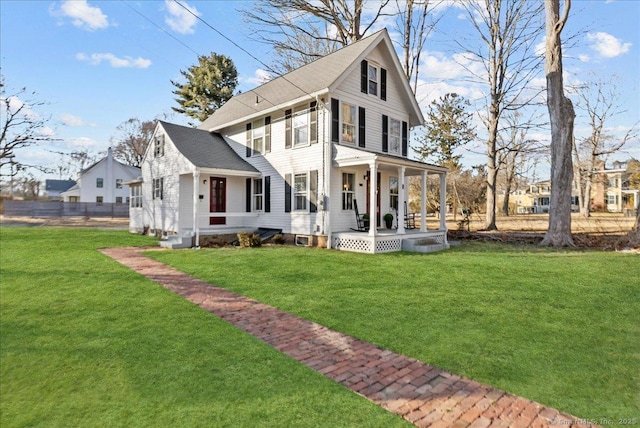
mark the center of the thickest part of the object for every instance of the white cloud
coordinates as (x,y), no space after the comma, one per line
(607,45)
(114,61)
(82,14)
(179,19)
(260,77)
(71,120)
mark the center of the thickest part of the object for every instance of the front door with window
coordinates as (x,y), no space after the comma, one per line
(218,198)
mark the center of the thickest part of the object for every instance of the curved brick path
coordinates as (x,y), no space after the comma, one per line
(420,393)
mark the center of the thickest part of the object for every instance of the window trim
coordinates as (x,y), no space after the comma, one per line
(354,125)
(157,188)
(119,183)
(136,196)
(258,131)
(159,146)
(392,136)
(348,191)
(304,113)
(393,195)
(376,81)
(257,199)
(99,182)
(300,193)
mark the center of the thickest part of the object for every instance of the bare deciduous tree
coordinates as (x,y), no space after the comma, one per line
(515,150)
(508,31)
(598,100)
(20,125)
(131,140)
(561,115)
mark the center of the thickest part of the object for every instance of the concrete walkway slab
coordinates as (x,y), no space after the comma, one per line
(418,392)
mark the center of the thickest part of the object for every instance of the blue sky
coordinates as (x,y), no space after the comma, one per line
(99,63)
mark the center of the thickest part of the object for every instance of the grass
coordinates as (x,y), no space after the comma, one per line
(558,327)
(87,342)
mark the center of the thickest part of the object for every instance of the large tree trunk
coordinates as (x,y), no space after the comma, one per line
(561,115)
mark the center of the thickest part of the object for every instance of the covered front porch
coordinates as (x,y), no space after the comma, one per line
(384,188)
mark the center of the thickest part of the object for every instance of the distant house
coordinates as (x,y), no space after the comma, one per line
(103,182)
(612,192)
(53,188)
(307,154)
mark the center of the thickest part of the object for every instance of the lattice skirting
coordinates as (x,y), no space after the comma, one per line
(368,245)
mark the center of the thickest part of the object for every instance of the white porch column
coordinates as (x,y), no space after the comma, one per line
(401,200)
(443,201)
(196,200)
(423,203)
(373,197)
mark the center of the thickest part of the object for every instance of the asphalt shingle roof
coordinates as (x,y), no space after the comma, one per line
(205,149)
(306,80)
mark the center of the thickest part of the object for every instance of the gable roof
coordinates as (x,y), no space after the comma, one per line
(58,185)
(205,149)
(305,83)
(132,170)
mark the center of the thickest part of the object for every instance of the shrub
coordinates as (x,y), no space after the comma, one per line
(278,239)
(249,239)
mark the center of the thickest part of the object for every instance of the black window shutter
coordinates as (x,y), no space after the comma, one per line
(364,76)
(335,120)
(267,194)
(248,196)
(313,191)
(287,193)
(249,151)
(361,126)
(313,122)
(405,146)
(383,84)
(287,129)
(267,134)
(385,133)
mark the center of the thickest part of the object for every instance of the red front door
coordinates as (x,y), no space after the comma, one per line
(218,198)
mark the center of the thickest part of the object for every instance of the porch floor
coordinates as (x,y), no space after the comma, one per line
(388,240)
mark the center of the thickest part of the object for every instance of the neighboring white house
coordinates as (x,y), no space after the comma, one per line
(299,154)
(103,182)
(53,188)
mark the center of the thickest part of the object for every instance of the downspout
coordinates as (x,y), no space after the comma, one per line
(195,230)
(326,174)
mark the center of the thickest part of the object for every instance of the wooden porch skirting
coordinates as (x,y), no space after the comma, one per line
(386,242)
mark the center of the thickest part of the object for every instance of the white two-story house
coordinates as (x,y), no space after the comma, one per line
(303,154)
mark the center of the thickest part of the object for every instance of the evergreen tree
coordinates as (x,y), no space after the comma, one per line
(209,85)
(448,126)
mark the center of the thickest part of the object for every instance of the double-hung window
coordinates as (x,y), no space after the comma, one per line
(158,188)
(300,127)
(159,146)
(136,196)
(348,190)
(99,182)
(118,183)
(257,140)
(395,135)
(393,193)
(257,194)
(300,192)
(349,123)
(373,79)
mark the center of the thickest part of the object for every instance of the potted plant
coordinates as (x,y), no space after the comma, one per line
(388,220)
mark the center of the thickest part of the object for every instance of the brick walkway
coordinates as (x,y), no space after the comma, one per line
(420,393)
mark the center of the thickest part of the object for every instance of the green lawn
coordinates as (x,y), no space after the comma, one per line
(558,327)
(86,342)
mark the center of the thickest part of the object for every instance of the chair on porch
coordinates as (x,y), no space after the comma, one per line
(361,219)
(409,218)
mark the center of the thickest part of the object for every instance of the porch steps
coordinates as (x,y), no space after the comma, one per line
(423,245)
(178,241)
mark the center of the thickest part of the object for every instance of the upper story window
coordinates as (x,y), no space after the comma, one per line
(349,123)
(395,135)
(99,182)
(257,138)
(613,182)
(159,146)
(118,183)
(373,79)
(300,127)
